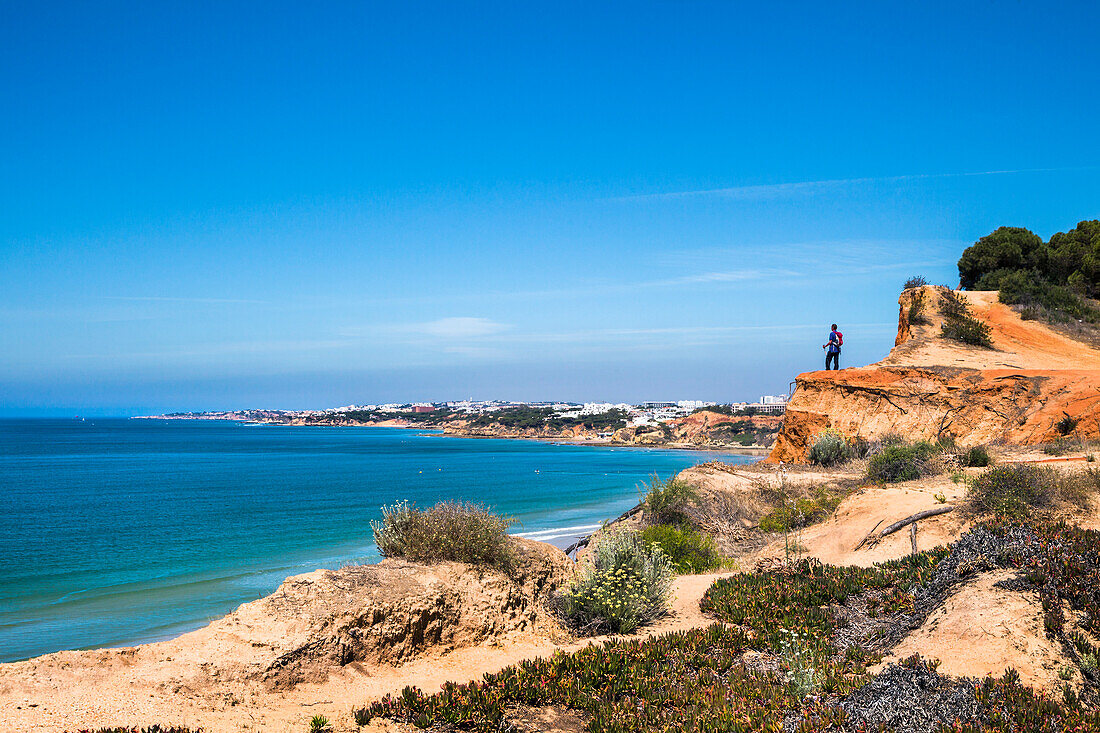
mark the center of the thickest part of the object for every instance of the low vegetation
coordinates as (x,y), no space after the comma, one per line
(813,631)
(1066,425)
(150,729)
(457,531)
(902,462)
(916,281)
(689,550)
(665,501)
(797,512)
(1017,490)
(917,315)
(830,449)
(628,584)
(959,325)
(976,457)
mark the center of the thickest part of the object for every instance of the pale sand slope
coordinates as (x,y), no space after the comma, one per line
(67,694)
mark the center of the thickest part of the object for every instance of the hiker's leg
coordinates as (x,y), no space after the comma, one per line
(829,359)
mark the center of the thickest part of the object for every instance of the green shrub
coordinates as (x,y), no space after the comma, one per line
(914,282)
(902,463)
(1066,425)
(1013,490)
(800,512)
(916,315)
(689,551)
(665,501)
(457,531)
(628,584)
(967,330)
(1042,299)
(319,724)
(976,457)
(829,449)
(958,324)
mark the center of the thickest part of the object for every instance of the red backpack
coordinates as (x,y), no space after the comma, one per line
(839,338)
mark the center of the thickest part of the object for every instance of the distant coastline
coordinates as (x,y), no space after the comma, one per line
(700,431)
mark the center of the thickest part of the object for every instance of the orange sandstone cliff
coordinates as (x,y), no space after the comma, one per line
(930,386)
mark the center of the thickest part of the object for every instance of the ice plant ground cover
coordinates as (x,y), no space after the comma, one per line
(792,647)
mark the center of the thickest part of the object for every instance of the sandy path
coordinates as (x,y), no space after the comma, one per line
(60,696)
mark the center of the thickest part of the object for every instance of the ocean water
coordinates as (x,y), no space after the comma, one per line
(118,532)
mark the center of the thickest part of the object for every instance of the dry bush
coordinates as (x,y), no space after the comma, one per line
(457,531)
(1016,490)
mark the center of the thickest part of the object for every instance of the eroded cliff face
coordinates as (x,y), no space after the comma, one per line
(929,386)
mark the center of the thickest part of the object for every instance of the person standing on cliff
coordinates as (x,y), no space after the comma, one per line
(832,349)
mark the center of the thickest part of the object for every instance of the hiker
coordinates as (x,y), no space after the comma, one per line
(832,349)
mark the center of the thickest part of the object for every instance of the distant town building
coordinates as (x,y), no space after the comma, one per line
(773,399)
(694,404)
(423,408)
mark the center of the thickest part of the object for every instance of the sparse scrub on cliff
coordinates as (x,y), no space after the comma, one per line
(1066,425)
(629,584)
(1014,491)
(896,463)
(830,449)
(917,315)
(664,502)
(916,281)
(959,325)
(689,550)
(457,531)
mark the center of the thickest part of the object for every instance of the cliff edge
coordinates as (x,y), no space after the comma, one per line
(929,386)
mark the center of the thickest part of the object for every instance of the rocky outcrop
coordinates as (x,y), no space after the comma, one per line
(393,611)
(929,386)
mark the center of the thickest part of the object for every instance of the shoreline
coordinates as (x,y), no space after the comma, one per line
(754,450)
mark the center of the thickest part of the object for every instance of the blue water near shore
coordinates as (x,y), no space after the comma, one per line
(117,532)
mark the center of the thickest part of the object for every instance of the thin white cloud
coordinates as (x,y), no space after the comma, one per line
(769,191)
(171,299)
(456,328)
(725,276)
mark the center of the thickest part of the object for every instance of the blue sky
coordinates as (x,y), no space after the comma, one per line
(225,205)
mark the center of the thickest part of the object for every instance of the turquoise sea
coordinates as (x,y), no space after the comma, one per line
(117,532)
